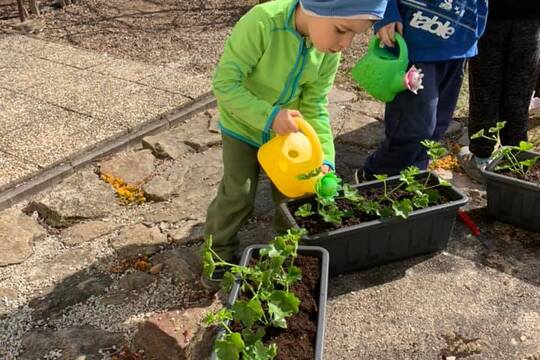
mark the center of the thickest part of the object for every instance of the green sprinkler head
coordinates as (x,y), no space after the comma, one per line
(328,185)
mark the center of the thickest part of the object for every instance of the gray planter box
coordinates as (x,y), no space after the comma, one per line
(385,240)
(511,200)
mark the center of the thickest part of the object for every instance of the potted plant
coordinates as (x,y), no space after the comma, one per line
(512,181)
(277,301)
(380,221)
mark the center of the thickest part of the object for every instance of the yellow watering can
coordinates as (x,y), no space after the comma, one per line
(288,159)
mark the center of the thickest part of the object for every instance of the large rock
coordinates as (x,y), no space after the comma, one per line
(80,233)
(166,185)
(138,240)
(71,291)
(80,197)
(193,136)
(196,191)
(189,231)
(17,234)
(83,342)
(131,167)
(183,265)
(176,335)
(61,266)
(135,281)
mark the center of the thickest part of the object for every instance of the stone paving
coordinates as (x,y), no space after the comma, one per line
(59,102)
(83,274)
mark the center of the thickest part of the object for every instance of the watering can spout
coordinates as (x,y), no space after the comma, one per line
(383,74)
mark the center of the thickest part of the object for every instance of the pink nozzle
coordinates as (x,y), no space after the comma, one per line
(413,79)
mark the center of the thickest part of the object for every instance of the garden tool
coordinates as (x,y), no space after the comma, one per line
(293,162)
(475,231)
(383,75)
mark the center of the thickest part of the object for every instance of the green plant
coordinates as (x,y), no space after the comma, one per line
(266,300)
(390,202)
(506,152)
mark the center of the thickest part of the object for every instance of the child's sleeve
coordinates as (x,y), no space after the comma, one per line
(242,52)
(314,105)
(390,15)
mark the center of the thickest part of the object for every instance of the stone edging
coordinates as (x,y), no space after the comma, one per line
(53,175)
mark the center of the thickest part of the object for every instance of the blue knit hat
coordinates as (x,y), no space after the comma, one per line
(360,9)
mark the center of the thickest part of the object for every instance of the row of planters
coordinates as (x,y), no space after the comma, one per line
(277,296)
(277,300)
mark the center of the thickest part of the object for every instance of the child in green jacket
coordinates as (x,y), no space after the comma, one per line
(278,63)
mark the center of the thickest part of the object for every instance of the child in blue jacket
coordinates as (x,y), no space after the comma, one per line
(440,36)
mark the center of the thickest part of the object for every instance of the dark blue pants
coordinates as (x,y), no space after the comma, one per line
(411,118)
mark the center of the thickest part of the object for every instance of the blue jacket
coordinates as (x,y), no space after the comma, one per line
(437,30)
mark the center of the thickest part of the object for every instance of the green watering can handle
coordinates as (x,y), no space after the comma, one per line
(403,51)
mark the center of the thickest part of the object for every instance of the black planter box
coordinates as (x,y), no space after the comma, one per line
(385,240)
(511,200)
(323,257)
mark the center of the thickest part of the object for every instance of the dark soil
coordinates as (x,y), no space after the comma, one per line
(533,175)
(297,342)
(314,224)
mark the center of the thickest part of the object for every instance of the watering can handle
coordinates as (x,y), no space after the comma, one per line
(312,136)
(403,51)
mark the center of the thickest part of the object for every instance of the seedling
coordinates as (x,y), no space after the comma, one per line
(399,200)
(267,301)
(506,152)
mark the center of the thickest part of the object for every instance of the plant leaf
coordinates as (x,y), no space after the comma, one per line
(251,337)
(304,211)
(381,177)
(477,134)
(208,264)
(402,208)
(229,347)
(434,196)
(525,146)
(351,194)
(386,212)
(443,182)
(258,351)
(282,304)
(247,312)
(420,201)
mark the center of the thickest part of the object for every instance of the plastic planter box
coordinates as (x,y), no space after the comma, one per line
(511,200)
(323,257)
(385,240)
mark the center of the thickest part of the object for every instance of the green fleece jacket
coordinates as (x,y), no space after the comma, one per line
(267,66)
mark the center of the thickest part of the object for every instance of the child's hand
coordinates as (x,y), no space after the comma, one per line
(325,169)
(387,33)
(284,122)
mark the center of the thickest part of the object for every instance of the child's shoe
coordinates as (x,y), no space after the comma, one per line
(472,165)
(534,107)
(214,282)
(359,176)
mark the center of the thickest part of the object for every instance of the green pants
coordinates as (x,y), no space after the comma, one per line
(235,200)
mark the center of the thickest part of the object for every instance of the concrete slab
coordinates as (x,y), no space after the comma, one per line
(12,169)
(58,134)
(180,82)
(19,72)
(432,308)
(59,53)
(117,100)
(126,69)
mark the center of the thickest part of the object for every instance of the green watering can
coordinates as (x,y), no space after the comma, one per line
(383,75)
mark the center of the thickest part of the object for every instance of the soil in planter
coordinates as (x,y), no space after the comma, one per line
(314,224)
(297,342)
(533,175)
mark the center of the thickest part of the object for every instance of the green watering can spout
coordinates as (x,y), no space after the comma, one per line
(383,75)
